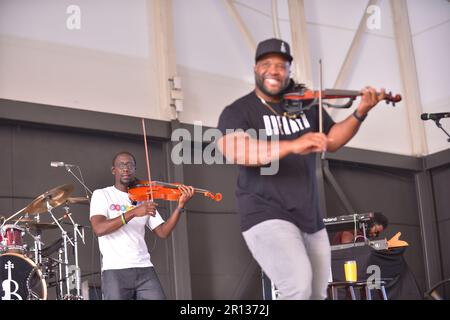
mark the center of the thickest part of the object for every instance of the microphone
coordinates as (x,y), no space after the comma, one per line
(57,164)
(434,116)
(68,167)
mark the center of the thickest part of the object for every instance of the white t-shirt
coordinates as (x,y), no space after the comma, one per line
(125,247)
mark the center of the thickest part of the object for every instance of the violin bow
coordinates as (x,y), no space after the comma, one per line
(147,157)
(321,104)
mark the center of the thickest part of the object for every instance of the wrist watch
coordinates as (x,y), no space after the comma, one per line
(360,119)
(181,210)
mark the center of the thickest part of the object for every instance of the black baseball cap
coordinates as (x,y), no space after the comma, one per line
(273,46)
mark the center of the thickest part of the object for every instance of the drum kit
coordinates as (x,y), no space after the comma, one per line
(26,272)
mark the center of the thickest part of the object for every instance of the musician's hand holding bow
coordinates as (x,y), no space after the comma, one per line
(145,209)
(310,142)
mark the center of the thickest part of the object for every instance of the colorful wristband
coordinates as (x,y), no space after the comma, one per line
(122,216)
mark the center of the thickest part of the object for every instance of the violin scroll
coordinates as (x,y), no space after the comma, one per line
(216,197)
(393,99)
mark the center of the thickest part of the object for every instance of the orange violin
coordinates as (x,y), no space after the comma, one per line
(143,190)
(150,190)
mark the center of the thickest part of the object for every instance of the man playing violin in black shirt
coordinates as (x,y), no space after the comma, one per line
(279,212)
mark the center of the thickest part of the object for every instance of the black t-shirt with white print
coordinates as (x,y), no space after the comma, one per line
(290,194)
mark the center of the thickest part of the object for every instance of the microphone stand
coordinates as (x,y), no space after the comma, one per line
(86,189)
(76,231)
(439,125)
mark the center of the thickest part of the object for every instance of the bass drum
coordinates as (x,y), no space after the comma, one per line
(20,278)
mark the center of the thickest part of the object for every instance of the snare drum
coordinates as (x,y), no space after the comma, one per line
(11,239)
(20,279)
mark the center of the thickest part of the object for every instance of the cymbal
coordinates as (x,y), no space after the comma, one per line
(24,220)
(40,225)
(56,197)
(78,200)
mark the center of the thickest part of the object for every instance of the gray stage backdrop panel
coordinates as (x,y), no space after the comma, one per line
(444,239)
(221,265)
(441,187)
(371,188)
(389,191)
(5,165)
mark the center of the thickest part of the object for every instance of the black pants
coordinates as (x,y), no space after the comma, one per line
(132,284)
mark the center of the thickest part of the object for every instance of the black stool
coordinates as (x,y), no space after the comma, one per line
(366,289)
(334,286)
(362,286)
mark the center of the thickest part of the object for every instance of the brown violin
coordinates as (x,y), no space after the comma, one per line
(301,99)
(143,190)
(336,94)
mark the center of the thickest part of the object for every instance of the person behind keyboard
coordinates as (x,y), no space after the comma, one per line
(376,225)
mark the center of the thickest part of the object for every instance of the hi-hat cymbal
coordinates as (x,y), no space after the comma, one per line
(78,200)
(40,225)
(24,220)
(55,197)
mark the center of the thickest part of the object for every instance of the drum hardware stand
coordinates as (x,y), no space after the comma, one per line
(15,214)
(37,246)
(76,232)
(60,278)
(65,238)
(18,220)
(59,282)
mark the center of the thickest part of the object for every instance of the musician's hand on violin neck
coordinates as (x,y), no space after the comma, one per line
(187,192)
(370,99)
(310,142)
(145,209)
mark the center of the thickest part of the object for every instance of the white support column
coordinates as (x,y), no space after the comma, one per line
(300,43)
(241,25)
(352,51)
(162,45)
(411,90)
(275,22)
